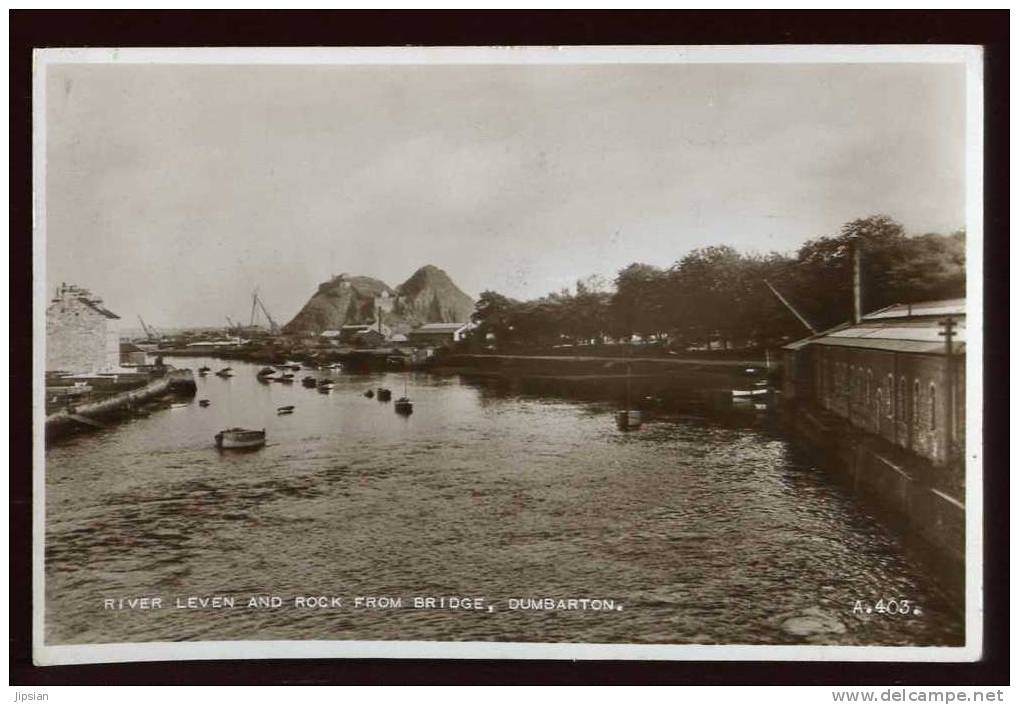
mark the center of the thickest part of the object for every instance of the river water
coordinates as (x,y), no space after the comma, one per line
(688,531)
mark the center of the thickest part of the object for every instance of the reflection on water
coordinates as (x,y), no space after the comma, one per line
(703,534)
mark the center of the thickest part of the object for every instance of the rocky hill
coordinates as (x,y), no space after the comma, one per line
(428,296)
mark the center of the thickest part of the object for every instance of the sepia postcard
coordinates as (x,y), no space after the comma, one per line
(657,353)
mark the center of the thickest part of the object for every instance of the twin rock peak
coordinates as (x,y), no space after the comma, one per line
(428,296)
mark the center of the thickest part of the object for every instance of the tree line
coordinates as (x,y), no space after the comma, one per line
(717,296)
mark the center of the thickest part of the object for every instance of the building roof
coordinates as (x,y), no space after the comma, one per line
(897,328)
(99,308)
(439,328)
(129,348)
(948,307)
(71,292)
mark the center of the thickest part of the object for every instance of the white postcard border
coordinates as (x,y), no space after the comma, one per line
(971,56)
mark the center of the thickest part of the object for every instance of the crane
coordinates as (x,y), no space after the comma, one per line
(257,301)
(149,333)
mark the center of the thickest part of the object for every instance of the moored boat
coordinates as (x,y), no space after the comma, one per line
(178,404)
(404,406)
(225,372)
(240,438)
(370,393)
(203,402)
(309,381)
(384,394)
(628,420)
(285,410)
(265,372)
(286,378)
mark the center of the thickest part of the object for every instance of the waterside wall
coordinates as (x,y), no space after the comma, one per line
(905,489)
(92,414)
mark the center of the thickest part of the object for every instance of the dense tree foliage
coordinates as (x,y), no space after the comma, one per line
(721,297)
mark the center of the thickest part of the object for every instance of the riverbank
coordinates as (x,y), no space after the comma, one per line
(94,414)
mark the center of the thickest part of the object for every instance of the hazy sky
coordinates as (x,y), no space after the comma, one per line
(173,191)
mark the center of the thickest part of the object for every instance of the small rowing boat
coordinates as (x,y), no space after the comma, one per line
(240,438)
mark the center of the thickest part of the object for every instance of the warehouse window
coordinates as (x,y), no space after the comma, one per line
(889,391)
(916,402)
(900,399)
(934,407)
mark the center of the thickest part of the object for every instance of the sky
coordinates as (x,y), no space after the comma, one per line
(173,191)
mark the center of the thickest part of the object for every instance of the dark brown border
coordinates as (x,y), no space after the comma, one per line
(29,29)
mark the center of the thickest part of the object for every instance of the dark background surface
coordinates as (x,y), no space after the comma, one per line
(60,28)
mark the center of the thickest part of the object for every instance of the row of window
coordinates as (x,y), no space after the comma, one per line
(857,382)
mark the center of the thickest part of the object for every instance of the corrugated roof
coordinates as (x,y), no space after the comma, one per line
(891,344)
(439,328)
(948,307)
(900,328)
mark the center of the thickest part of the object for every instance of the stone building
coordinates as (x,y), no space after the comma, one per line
(79,337)
(131,355)
(892,375)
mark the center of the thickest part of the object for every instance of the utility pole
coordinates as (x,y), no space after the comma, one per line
(857,294)
(948,333)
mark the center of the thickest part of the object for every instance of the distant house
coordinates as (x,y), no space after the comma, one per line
(79,337)
(131,355)
(438,334)
(368,336)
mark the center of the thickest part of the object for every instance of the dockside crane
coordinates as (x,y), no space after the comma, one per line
(256,301)
(150,334)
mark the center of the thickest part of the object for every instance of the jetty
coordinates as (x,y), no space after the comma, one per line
(96,412)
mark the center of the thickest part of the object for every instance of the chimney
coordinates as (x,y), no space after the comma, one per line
(857,307)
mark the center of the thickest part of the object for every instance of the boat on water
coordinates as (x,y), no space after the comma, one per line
(384,394)
(309,381)
(404,406)
(370,393)
(285,410)
(737,393)
(240,438)
(265,372)
(178,404)
(203,402)
(628,419)
(286,378)
(225,372)
(203,370)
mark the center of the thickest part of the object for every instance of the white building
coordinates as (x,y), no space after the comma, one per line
(79,337)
